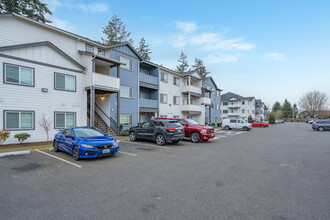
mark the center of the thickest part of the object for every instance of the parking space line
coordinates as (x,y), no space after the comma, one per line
(221,136)
(128,153)
(58,158)
(146,144)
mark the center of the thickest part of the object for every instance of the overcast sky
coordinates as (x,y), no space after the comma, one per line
(268,49)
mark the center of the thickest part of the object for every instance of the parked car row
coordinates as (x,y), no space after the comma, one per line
(321,125)
(279,121)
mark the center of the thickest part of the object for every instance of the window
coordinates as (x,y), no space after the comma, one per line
(89,48)
(176,100)
(126,119)
(243,110)
(225,103)
(65,82)
(19,120)
(217,106)
(143,71)
(163,116)
(126,92)
(65,119)
(163,98)
(232,120)
(191,101)
(176,81)
(101,52)
(243,102)
(128,63)
(143,95)
(176,116)
(19,75)
(163,77)
(225,111)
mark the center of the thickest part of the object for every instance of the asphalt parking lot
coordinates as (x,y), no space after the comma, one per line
(280,172)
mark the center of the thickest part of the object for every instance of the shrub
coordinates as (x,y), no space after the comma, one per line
(250,118)
(213,124)
(22,137)
(4,135)
(121,127)
(125,132)
(219,124)
(272,118)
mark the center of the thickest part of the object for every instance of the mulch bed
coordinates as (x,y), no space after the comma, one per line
(34,144)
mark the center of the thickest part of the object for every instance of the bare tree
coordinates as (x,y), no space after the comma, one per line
(45,123)
(313,102)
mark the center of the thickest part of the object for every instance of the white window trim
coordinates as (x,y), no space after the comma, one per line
(65,75)
(19,120)
(161,99)
(118,58)
(19,74)
(174,80)
(131,115)
(164,77)
(174,98)
(98,52)
(127,97)
(90,46)
(75,122)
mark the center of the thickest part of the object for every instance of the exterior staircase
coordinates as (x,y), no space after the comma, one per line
(101,124)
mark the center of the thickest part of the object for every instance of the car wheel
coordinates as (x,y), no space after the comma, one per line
(175,142)
(321,129)
(195,138)
(160,140)
(75,153)
(262,126)
(245,128)
(55,146)
(132,136)
(227,127)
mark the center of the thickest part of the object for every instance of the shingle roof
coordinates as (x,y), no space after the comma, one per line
(229,95)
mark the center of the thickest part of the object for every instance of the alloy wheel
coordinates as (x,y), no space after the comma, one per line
(55,147)
(321,128)
(195,137)
(132,136)
(160,139)
(75,153)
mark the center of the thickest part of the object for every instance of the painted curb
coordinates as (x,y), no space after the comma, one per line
(14,153)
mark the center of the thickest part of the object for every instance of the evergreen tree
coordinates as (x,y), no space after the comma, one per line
(115,32)
(200,68)
(183,63)
(287,109)
(276,107)
(143,49)
(272,118)
(33,9)
(295,110)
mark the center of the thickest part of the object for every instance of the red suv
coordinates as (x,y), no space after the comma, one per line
(195,131)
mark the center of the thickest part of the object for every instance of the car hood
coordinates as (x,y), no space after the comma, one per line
(97,140)
(201,127)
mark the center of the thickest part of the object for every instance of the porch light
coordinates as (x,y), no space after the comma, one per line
(102,98)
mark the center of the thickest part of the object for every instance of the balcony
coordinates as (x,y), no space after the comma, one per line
(148,103)
(257,111)
(191,108)
(265,112)
(192,89)
(233,114)
(206,101)
(148,79)
(104,81)
(233,106)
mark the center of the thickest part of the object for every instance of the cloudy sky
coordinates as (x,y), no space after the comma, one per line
(268,49)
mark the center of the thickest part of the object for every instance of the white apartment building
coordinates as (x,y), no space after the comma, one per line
(181,95)
(236,106)
(48,71)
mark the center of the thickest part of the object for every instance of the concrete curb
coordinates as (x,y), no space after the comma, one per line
(14,153)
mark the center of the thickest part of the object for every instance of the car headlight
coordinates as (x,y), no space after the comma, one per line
(203,131)
(87,145)
(115,143)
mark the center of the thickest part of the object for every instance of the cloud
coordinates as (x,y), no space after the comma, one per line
(62,24)
(221,58)
(94,7)
(188,27)
(275,56)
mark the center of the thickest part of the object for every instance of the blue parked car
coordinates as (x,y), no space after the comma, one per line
(85,142)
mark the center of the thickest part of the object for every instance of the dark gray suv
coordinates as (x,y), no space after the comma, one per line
(158,130)
(321,125)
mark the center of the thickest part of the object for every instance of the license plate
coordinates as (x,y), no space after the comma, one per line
(105,151)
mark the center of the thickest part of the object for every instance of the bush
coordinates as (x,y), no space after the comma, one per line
(22,137)
(272,118)
(121,127)
(125,132)
(4,135)
(213,124)
(250,118)
(219,124)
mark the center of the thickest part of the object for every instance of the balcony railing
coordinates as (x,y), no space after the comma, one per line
(257,111)
(189,108)
(233,106)
(148,79)
(233,113)
(265,112)
(194,89)
(206,101)
(148,103)
(105,81)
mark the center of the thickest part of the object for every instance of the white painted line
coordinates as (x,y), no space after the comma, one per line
(229,132)
(58,158)
(220,131)
(128,153)
(241,132)
(221,136)
(15,153)
(215,138)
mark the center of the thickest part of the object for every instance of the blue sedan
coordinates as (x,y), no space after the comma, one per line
(85,142)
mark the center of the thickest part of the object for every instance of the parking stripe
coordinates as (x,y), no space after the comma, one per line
(58,158)
(128,153)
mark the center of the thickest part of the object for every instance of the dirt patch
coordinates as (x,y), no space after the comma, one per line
(27,167)
(34,144)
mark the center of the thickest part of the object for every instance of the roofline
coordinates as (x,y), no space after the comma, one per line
(127,44)
(101,57)
(42,43)
(55,29)
(150,63)
(169,70)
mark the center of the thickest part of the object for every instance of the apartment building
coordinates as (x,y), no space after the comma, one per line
(212,101)
(236,106)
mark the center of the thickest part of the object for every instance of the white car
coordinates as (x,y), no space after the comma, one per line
(236,123)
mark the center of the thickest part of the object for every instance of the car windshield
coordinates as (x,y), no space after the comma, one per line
(87,132)
(243,121)
(192,122)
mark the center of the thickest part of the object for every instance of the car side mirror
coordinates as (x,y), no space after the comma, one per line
(185,125)
(106,134)
(68,136)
